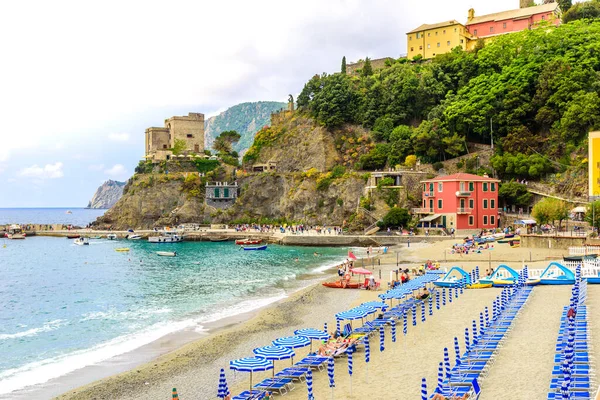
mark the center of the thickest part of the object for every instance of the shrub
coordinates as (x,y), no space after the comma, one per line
(205,165)
(396,217)
(438,165)
(385,182)
(340,202)
(338,171)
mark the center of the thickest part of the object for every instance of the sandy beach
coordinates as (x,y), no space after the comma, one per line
(525,359)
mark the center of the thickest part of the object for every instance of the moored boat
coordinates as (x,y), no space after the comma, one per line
(479,286)
(166,237)
(73,236)
(263,247)
(167,253)
(111,236)
(82,241)
(133,236)
(557,274)
(453,278)
(502,276)
(532,282)
(218,239)
(244,242)
(15,232)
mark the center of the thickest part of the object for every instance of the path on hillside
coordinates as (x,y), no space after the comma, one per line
(523,365)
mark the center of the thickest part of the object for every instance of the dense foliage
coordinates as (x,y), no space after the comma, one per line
(537,92)
(514,193)
(582,10)
(550,210)
(395,218)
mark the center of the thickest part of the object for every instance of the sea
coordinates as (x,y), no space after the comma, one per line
(76,216)
(64,307)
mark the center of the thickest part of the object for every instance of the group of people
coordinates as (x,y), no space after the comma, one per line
(335,345)
(403,277)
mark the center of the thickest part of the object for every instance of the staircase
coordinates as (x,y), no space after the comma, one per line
(371,228)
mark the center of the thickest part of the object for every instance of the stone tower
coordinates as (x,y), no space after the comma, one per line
(190,129)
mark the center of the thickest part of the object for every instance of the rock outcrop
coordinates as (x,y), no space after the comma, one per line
(107,195)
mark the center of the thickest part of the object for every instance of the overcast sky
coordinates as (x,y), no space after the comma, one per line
(80,80)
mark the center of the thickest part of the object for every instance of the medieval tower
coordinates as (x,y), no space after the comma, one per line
(189,129)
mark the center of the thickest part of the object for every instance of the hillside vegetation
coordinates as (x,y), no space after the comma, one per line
(537,92)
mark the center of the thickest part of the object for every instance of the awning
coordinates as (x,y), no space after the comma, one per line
(430,218)
(525,222)
(579,209)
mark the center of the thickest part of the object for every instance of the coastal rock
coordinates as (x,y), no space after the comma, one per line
(107,194)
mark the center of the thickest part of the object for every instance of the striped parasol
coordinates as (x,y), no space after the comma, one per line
(476,272)
(274,353)
(355,313)
(223,388)
(444,297)
(337,325)
(564,391)
(394,331)
(457,350)
(456,290)
(450,295)
(440,379)
(437,300)
(447,362)
(381,339)
(475,338)
(375,304)
(481,324)
(324,327)
(487,317)
(430,305)
(423,389)
(422,311)
(312,333)
(367,350)
(404,323)
(349,352)
(293,342)
(462,285)
(309,384)
(414,314)
(250,364)
(331,372)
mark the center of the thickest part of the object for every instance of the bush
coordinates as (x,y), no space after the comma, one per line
(385,182)
(437,166)
(338,171)
(340,202)
(205,165)
(143,167)
(396,217)
(229,160)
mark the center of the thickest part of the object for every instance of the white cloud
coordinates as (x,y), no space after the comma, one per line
(49,171)
(119,137)
(96,167)
(117,171)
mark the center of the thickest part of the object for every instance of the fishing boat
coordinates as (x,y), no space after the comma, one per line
(453,278)
(15,232)
(82,241)
(244,242)
(166,253)
(501,277)
(342,285)
(73,236)
(122,249)
(166,237)
(133,236)
(557,274)
(111,236)
(479,286)
(218,239)
(263,247)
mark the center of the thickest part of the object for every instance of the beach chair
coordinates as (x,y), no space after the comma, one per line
(313,362)
(281,385)
(573,395)
(295,373)
(251,395)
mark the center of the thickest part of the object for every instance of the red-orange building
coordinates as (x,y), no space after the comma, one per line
(460,201)
(511,21)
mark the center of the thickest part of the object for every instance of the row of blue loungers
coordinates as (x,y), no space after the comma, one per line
(473,364)
(571,375)
(283,381)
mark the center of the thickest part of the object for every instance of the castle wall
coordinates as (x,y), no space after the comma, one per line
(157,139)
(190,129)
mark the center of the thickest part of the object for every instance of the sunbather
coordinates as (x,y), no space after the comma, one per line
(442,397)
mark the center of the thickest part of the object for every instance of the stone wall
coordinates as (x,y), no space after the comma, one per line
(551,242)
(377,64)
(190,129)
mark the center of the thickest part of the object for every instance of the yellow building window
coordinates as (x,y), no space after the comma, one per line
(428,46)
(428,33)
(412,49)
(448,43)
(436,33)
(444,31)
(454,30)
(461,41)
(438,45)
(420,47)
(418,35)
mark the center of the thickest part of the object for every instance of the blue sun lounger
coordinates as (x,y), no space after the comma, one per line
(248,395)
(312,362)
(281,385)
(297,373)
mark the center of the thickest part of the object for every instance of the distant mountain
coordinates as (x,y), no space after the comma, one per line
(107,194)
(245,118)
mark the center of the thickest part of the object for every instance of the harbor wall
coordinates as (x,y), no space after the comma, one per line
(551,242)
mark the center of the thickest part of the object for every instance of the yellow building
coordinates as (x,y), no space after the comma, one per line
(594,165)
(430,40)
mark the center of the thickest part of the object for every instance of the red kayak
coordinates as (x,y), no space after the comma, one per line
(342,285)
(248,241)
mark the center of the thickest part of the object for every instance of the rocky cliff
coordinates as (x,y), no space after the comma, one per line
(107,195)
(245,118)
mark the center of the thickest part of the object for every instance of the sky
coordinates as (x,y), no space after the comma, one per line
(80,81)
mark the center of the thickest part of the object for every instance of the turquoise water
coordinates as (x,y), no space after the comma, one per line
(65,306)
(78,216)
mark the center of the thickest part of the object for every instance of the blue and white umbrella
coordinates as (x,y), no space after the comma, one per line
(467,340)
(274,353)
(430,305)
(349,352)
(404,323)
(447,362)
(422,311)
(564,391)
(423,389)
(309,384)
(475,337)
(481,324)
(312,333)
(476,272)
(414,314)
(381,339)
(456,289)
(375,304)
(292,342)
(394,331)
(324,328)
(450,295)
(437,299)
(337,326)
(251,364)
(355,313)
(367,350)
(443,296)
(457,350)
(440,380)
(223,388)
(331,372)
(487,317)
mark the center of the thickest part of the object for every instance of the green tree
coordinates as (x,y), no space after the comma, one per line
(565,5)
(179,146)
(395,218)
(514,193)
(592,215)
(583,10)
(224,142)
(543,212)
(376,158)
(383,128)
(367,69)
(344,65)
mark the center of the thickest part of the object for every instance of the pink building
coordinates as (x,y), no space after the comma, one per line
(512,20)
(460,201)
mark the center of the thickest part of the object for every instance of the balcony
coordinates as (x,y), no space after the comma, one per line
(463,193)
(428,194)
(464,210)
(423,210)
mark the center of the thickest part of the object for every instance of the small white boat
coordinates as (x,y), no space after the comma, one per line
(133,236)
(166,237)
(69,212)
(167,253)
(81,241)
(111,236)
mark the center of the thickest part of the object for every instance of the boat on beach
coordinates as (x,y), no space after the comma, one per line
(263,247)
(15,232)
(166,253)
(479,286)
(342,285)
(501,277)
(82,241)
(218,239)
(245,242)
(453,278)
(557,274)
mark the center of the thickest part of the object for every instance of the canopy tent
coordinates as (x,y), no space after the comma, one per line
(579,209)
(525,222)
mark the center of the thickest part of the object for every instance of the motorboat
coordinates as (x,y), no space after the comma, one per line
(74,236)
(263,247)
(133,236)
(69,212)
(501,277)
(82,241)
(166,253)
(454,278)
(111,236)
(122,249)
(15,232)
(166,237)
(244,242)
(557,274)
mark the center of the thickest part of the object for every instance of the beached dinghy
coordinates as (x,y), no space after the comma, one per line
(167,253)
(479,286)
(501,277)
(453,278)
(557,274)
(263,247)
